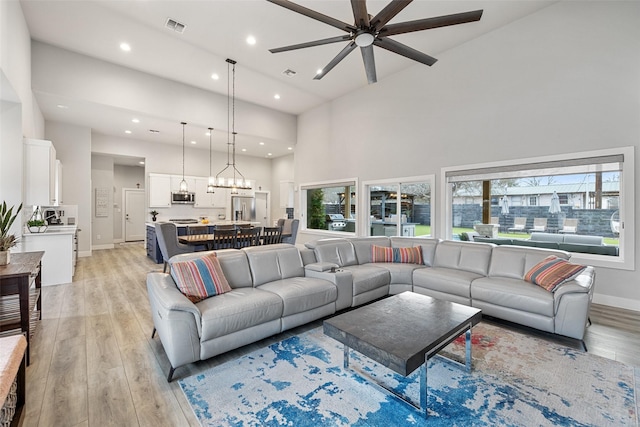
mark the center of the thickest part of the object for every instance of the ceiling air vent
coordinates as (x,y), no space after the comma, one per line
(289,73)
(175,26)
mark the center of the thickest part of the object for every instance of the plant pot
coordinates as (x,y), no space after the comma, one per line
(37,229)
(5,257)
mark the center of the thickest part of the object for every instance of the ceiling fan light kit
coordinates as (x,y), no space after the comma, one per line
(368,31)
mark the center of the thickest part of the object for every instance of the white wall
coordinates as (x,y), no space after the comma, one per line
(282,170)
(73,149)
(102,178)
(563,80)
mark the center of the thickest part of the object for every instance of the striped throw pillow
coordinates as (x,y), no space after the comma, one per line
(200,278)
(381,254)
(552,272)
(408,255)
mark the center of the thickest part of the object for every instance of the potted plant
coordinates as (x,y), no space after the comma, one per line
(36,225)
(154,214)
(7,241)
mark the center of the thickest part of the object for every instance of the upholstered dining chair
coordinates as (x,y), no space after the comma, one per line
(289,230)
(167,237)
(271,235)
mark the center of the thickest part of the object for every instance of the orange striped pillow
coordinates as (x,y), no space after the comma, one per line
(553,271)
(381,254)
(200,278)
(404,255)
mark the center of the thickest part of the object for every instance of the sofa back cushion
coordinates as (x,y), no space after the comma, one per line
(467,256)
(362,247)
(546,237)
(336,251)
(428,246)
(583,240)
(515,261)
(270,263)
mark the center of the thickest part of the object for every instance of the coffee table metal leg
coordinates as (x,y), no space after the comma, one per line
(423,388)
(467,339)
(346,357)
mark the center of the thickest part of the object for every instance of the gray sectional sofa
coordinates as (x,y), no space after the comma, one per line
(278,287)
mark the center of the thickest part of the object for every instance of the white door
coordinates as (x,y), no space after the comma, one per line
(262,208)
(134,215)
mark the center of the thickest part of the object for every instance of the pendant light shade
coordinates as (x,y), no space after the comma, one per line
(211,183)
(234,182)
(184,187)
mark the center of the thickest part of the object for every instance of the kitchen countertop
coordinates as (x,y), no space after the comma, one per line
(53,230)
(212,223)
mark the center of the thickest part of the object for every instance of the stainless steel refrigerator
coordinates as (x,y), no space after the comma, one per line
(243,208)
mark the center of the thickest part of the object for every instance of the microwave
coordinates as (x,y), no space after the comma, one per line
(183,198)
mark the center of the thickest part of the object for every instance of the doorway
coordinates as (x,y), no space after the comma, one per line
(262,208)
(134,215)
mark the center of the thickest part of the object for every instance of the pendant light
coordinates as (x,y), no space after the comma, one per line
(184,188)
(211,184)
(233,183)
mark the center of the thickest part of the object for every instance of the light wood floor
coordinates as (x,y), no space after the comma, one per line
(93,362)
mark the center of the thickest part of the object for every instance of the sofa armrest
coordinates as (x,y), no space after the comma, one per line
(342,279)
(322,266)
(572,303)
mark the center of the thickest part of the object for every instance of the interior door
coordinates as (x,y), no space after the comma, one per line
(134,215)
(262,211)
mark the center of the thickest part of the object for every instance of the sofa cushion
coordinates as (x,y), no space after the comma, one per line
(583,240)
(400,273)
(412,255)
(513,293)
(362,247)
(337,251)
(552,271)
(515,261)
(239,309)
(467,256)
(301,294)
(199,278)
(269,263)
(445,280)
(368,277)
(427,246)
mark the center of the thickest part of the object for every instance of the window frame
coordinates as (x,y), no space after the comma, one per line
(626,258)
(365,200)
(321,184)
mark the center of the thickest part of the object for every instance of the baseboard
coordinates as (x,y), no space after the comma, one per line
(100,247)
(83,254)
(118,240)
(626,303)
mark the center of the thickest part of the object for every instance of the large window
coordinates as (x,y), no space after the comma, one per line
(399,208)
(583,201)
(330,207)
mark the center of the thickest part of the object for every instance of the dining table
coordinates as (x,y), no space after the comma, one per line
(198,239)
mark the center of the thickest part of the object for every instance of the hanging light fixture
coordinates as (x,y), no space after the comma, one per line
(211,184)
(184,188)
(234,182)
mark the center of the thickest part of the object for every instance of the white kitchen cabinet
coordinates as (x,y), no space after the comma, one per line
(58,245)
(207,200)
(40,173)
(159,191)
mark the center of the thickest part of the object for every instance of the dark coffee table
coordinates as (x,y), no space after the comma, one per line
(403,332)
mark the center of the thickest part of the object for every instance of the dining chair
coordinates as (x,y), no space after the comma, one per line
(197,229)
(244,237)
(289,230)
(271,235)
(167,238)
(225,239)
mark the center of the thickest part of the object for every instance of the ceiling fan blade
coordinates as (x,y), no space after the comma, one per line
(311,44)
(360,14)
(404,50)
(428,23)
(388,13)
(343,53)
(369,63)
(314,15)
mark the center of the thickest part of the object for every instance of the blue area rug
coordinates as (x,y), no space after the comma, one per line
(517,380)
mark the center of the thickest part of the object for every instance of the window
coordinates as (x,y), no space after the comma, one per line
(330,207)
(399,208)
(591,192)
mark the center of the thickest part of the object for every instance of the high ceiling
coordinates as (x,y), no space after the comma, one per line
(218,29)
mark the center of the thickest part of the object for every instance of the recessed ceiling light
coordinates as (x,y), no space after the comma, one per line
(319,71)
(269,154)
(141,162)
(194,142)
(215,76)
(62,107)
(207,134)
(289,148)
(135,120)
(244,149)
(276,96)
(125,46)
(261,143)
(251,40)
(127,131)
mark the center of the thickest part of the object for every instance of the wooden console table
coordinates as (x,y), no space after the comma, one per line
(20,299)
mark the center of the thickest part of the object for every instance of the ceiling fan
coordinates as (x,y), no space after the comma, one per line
(368,31)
